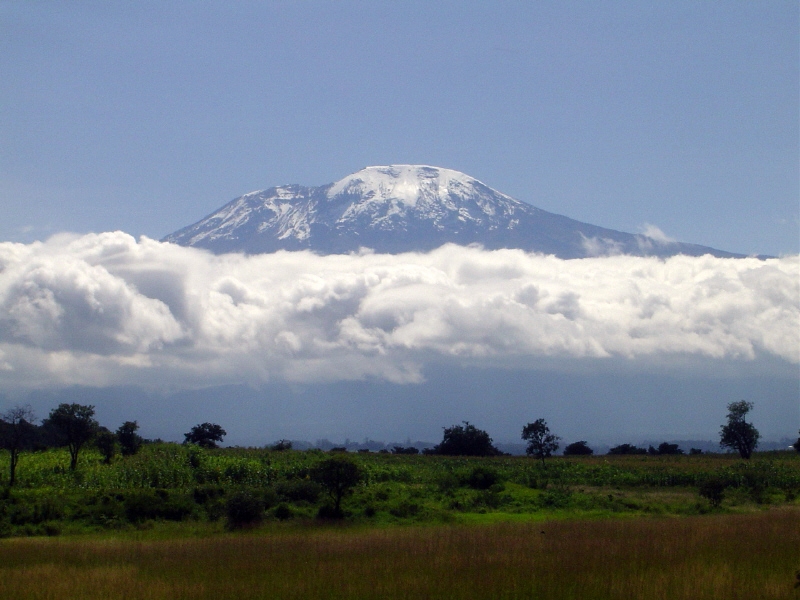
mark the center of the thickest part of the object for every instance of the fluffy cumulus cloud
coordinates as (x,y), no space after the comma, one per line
(107,309)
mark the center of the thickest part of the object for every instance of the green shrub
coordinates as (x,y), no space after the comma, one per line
(244,509)
(203,494)
(405,509)
(447,482)
(713,490)
(298,490)
(482,478)
(283,512)
(328,511)
(146,504)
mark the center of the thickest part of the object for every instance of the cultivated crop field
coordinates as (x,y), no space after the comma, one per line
(163,524)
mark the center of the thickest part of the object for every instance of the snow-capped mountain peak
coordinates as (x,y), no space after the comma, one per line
(401,208)
(404,183)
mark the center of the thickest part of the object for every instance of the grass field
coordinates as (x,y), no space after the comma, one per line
(749,556)
(155,525)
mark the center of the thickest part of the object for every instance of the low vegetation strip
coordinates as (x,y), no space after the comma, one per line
(239,487)
(696,558)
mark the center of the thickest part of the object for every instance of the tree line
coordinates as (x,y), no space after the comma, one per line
(74,426)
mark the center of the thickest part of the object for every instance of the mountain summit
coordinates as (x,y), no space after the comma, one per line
(402,208)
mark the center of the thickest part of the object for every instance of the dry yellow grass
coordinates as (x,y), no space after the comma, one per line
(732,557)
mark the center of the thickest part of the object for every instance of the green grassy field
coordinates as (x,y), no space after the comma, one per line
(170,482)
(156,525)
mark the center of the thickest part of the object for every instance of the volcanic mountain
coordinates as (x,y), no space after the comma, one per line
(402,208)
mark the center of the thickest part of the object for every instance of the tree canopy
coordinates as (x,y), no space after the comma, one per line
(17,433)
(339,475)
(578,449)
(465,440)
(72,425)
(738,434)
(541,442)
(205,435)
(129,440)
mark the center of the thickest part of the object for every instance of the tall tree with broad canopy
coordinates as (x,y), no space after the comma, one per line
(72,425)
(465,440)
(541,443)
(339,475)
(205,435)
(738,434)
(17,433)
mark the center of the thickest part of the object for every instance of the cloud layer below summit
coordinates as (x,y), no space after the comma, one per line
(106,309)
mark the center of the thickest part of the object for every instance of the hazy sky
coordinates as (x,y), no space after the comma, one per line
(146,116)
(140,118)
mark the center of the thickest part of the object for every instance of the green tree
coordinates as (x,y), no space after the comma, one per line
(627,449)
(338,475)
(17,433)
(106,443)
(129,440)
(541,442)
(713,490)
(578,449)
(205,435)
(73,425)
(796,445)
(738,434)
(465,440)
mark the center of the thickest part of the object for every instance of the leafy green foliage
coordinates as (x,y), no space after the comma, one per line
(338,475)
(129,440)
(482,478)
(205,435)
(72,425)
(713,490)
(578,449)
(738,434)
(106,443)
(17,433)
(189,483)
(627,449)
(541,442)
(244,509)
(465,440)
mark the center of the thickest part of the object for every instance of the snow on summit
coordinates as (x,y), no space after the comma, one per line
(403,183)
(407,208)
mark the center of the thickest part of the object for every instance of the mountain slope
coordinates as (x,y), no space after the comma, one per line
(403,208)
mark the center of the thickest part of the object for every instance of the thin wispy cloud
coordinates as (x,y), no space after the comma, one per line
(107,309)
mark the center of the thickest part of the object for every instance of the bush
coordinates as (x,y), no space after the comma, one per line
(283,512)
(447,482)
(328,511)
(578,449)
(627,449)
(244,509)
(157,504)
(404,450)
(482,478)
(713,490)
(298,490)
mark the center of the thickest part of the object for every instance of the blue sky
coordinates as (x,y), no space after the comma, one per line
(147,116)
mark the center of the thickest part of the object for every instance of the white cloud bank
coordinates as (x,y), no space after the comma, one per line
(104,309)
